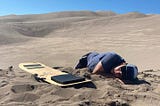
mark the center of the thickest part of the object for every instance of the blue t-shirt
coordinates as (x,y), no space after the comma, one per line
(109,60)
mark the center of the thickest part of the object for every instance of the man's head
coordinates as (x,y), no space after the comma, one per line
(129,72)
(126,72)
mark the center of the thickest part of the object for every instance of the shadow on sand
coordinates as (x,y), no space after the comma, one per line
(136,82)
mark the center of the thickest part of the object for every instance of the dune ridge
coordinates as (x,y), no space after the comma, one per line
(43,24)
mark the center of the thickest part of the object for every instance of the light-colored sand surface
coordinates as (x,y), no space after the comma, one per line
(59,39)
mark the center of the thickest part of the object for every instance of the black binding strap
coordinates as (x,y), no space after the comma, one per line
(67,78)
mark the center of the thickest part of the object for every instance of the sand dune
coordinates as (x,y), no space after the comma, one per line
(129,34)
(59,39)
(41,25)
(57,15)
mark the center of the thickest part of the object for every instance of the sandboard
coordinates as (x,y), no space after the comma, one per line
(52,76)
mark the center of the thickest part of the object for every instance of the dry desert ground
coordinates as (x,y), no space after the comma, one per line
(60,39)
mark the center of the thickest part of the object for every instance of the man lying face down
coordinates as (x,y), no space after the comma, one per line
(109,63)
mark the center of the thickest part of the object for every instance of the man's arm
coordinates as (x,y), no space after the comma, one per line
(98,68)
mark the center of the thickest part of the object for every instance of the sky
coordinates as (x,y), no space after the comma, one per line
(21,7)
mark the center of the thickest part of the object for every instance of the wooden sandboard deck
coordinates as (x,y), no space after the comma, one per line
(49,74)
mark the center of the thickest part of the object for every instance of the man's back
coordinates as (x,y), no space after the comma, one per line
(109,60)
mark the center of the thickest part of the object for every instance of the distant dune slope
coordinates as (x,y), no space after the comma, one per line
(41,25)
(14,28)
(50,16)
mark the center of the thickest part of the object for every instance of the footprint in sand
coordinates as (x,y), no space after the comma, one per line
(8,73)
(3,83)
(22,88)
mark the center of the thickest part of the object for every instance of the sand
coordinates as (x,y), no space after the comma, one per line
(59,39)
